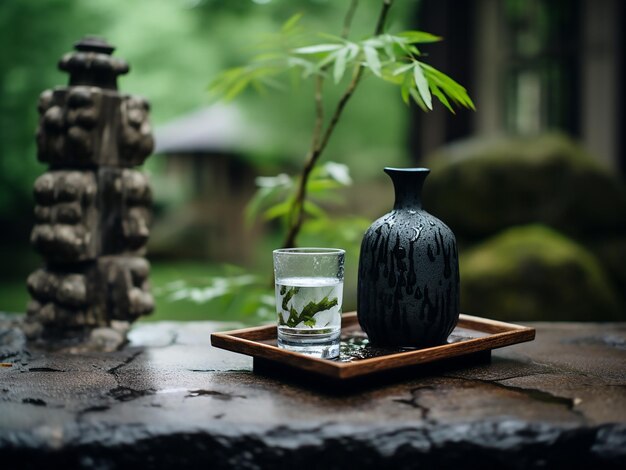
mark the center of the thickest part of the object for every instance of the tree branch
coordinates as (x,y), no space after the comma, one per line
(297,218)
(347,22)
(380,26)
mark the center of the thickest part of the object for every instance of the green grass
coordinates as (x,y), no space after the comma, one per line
(13,296)
(165,274)
(168,279)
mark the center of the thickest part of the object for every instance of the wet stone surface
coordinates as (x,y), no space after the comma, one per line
(170,400)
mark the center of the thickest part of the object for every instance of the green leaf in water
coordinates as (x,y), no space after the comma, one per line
(288,296)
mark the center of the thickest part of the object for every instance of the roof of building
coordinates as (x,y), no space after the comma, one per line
(220,128)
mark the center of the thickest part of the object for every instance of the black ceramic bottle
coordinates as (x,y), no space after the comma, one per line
(408,289)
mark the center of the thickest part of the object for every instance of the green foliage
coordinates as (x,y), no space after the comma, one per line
(390,57)
(170,51)
(276,194)
(531,272)
(32,41)
(229,293)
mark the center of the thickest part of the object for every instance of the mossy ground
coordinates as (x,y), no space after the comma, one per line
(541,228)
(535,273)
(479,190)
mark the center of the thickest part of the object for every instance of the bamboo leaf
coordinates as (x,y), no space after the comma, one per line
(327,60)
(331,37)
(405,88)
(313,209)
(291,23)
(419,37)
(338,172)
(400,42)
(388,46)
(371,59)
(411,49)
(258,201)
(223,80)
(353,50)
(387,74)
(375,42)
(318,48)
(340,64)
(259,86)
(402,69)
(307,67)
(268,57)
(321,186)
(271,83)
(441,97)
(422,85)
(454,90)
(418,99)
(280,180)
(445,81)
(277,210)
(236,88)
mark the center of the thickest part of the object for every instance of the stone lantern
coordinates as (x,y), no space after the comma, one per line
(92,205)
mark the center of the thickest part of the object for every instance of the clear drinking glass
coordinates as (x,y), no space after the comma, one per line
(309,295)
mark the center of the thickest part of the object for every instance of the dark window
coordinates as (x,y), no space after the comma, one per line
(541,67)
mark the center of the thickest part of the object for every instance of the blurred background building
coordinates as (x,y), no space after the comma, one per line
(532,182)
(532,66)
(204,152)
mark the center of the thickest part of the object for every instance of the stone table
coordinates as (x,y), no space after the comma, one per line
(170,400)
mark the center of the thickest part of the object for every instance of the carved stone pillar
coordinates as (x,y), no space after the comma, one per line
(92,207)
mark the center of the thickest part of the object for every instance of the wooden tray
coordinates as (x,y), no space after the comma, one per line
(473,336)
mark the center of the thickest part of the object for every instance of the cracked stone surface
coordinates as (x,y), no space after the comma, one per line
(170,400)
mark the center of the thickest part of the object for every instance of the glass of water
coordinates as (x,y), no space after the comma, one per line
(309,295)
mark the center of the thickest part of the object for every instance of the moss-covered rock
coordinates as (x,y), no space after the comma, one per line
(481,187)
(535,273)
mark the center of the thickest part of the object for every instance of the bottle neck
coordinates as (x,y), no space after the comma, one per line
(408,183)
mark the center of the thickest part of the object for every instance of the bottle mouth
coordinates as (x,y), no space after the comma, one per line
(406,170)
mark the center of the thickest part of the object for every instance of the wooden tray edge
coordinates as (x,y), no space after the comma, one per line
(267,351)
(436,353)
(247,341)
